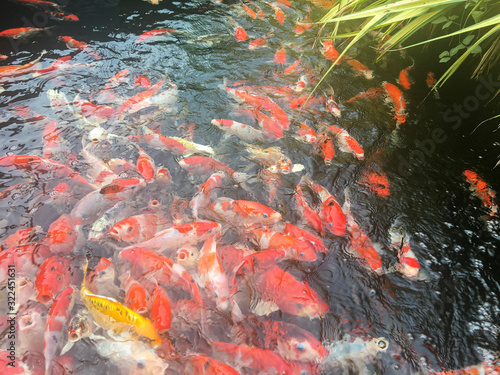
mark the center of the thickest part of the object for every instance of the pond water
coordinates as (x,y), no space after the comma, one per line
(448,317)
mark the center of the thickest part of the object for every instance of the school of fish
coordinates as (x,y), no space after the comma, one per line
(114,258)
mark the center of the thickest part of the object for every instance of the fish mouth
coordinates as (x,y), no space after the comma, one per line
(44,297)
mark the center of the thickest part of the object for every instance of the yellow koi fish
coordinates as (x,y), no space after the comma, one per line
(112,315)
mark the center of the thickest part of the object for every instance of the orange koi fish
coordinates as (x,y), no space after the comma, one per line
(346,142)
(75,44)
(399,102)
(280,56)
(240,34)
(204,165)
(61,236)
(52,277)
(292,68)
(359,67)
(306,134)
(20,32)
(152,33)
(372,94)
(304,235)
(259,42)
(249,10)
(310,216)
(330,52)
(150,92)
(326,147)
(245,358)
(59,316)
(376,182)
(154,269)
(482,191)
(269,126)
(61,16)
(146,166)
(160,142)
(305,102)
(142,81)
(161,310)
(241,212)
(278,13)
(12,71)
(404,78)
(55,66)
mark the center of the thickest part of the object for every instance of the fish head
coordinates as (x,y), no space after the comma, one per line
(284,165)
(79,327)
(187,256)
(302,349)
(307,302)
(52,277)
(333,217)
(127,230)
(121,189)
(62,236)
(103,270)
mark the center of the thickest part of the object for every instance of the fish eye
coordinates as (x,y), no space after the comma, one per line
(59,278)
(141,364)
(304,291)
(304,372)
(300,347)
(265,216)
(382,344)
(330,225)
(301,254)
(130,229)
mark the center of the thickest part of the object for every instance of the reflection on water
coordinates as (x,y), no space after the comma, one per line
(168,158)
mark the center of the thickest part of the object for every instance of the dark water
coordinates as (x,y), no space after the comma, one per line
(447,318)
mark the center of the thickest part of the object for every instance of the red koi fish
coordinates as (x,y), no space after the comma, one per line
(345,141)
(280,56)
(326,147)
(61,16)
(21,32)
(95,112)
(278,13)
(152,33)
(305,102)
(21,237)
(59,316)
(306,134)
(241,212)
(138,228)
(204,165)
(259,42)
(361,246)
(81,46)
(26,259)
(146,166)
(205,191)
(431,83)
(482,191)
(55,66)
(61,236)
(249,11)
(304,235)
(303,26)
(52,277)
(201,364)
(212,276)
(292,68)
(259,360)
(9,72)
(310,216)
(240,34)
(294,248)
(376,182)
(150,92)
(161,310)
(242,131)
(332,106)
(404,78)
(137,297)
(269,126)
(152,269)
(160,142)
(399,102)
(372,94)
(142,81)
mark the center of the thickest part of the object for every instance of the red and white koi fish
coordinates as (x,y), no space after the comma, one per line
(154,269)
(205,191)
(306,102)
(292,68)
(482,191)
(269,126)
(397,98)
(161,310)
(372,94)
(360,245)
(146,166)
(359,67)
(306,134)
(61,235)
(241,212)
(152,33)
(202,364)
(400,241)
(12,71)
(148,93)
(310,216)
(21,237)
(160,142)
(55,66)
(259,42)
(142,81)
(81,46)
(243,131)
(3,57)
(94,112)
(304,235)
(326,147)
(53,276)
(61,16)
(211,274)
(345,141)
(138,228)
(21,32)
(59,316)
(204,165)
(332,106)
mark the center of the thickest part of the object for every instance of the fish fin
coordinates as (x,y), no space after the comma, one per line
(264,307)
(67,347)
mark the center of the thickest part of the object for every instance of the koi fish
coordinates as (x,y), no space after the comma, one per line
(482,191)
(404,78)
(278,13)
(400,241)
(330,52)
(292,68)
(146,166)
(244,132)
(55,66)
(137,297)
(142,81)
(269,126)
(431,83)
(304,235)
(81,46)
(113,316)
(259,42)
(306,134)
(138,228)
(310,216)
(240,34)
(12,71)
(39,2)
(305,102)
(204,165)
(359,67)
(61,235)
(21,32)
(161,310)
(372,94)
(360,245)
(194,148)
(61,16)
(332,106)
(150,92)
(21,237)
(59,315)
(155,269)
(280,56)
(249,11)
(205,192)
(399,102)
(376,182)
(160,142)
(302,27)
(345,141)
(52,277)
(326,147)
(202,364)
(152,33)
(211,274)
